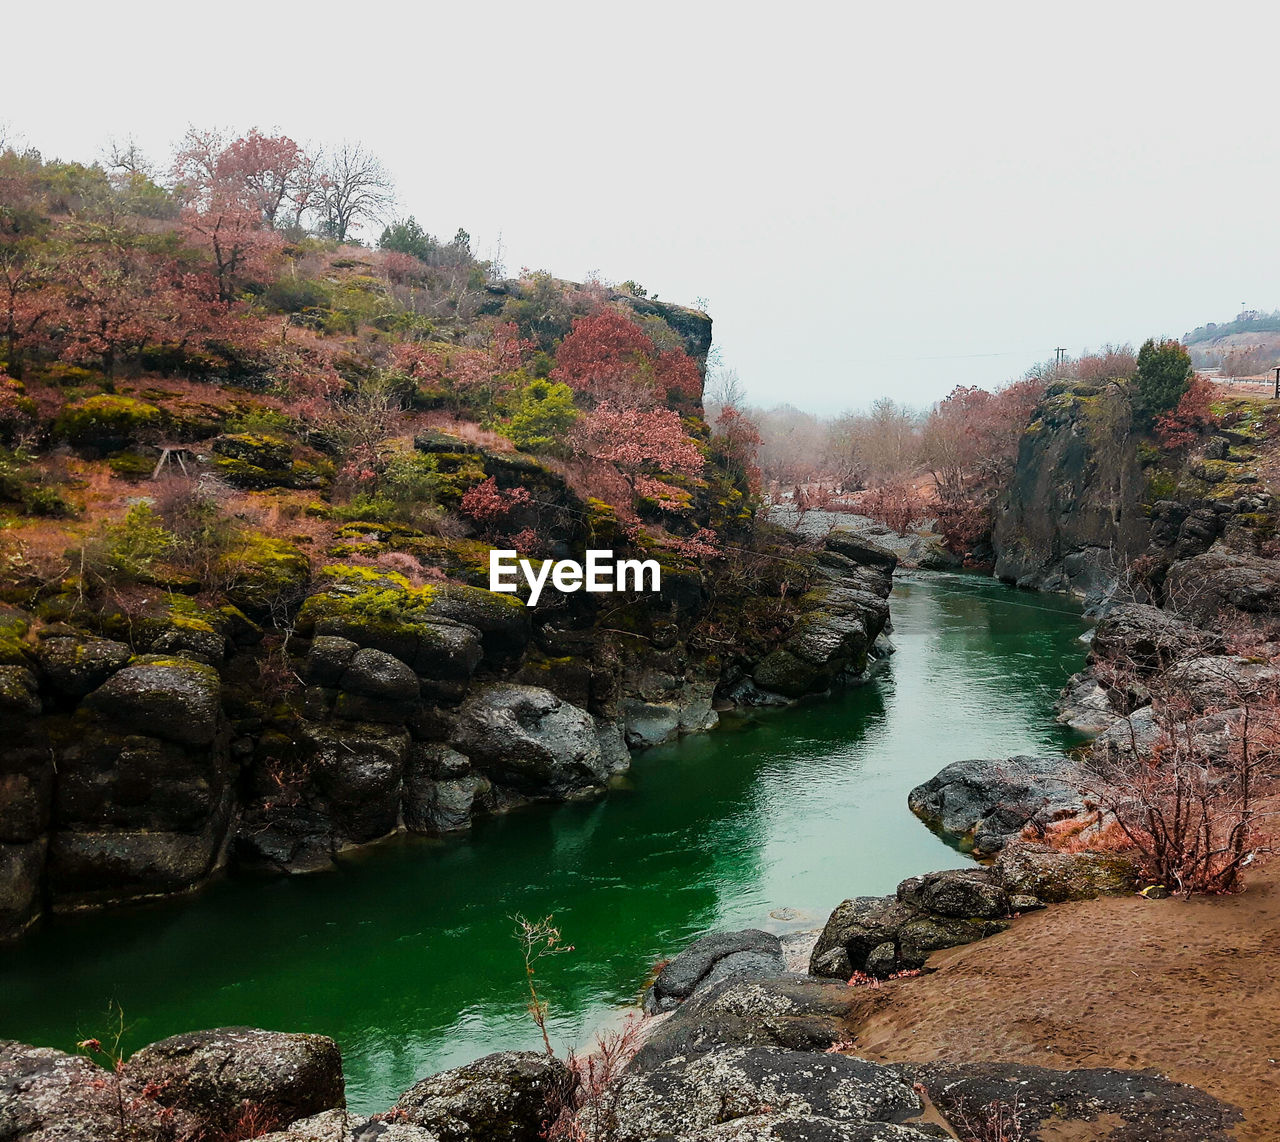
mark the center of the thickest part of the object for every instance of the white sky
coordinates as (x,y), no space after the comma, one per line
(872,198)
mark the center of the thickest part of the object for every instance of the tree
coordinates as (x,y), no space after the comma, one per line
(195,162)
(1164,371)
(407,237)
(609,357)
(643,444)
(543,418)
(1193,414)
(354,188)
(604,353)
(233,235)
(269,169)
(257,172)
(737,440)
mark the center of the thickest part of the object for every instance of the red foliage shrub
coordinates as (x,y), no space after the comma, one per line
(1193,414)
(897,506)
(607,354)
(489,506)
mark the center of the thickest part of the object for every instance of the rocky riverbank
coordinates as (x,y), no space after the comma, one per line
(145,752)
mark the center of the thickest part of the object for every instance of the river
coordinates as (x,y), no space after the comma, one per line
(405,954)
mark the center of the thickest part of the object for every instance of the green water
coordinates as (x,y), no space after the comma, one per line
(405,956)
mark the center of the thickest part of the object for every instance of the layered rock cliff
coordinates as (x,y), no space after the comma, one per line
(143,751)
(1093,500)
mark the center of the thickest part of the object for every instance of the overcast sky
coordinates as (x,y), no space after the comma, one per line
(870,198)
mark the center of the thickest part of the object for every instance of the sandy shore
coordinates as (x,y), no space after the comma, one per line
(1190,988)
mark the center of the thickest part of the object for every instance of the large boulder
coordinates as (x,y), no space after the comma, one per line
(74,666)
(881,935)
(1147,637)
(359,769)
(798,1012)
(861,549)
(1053,876)
(720,956)
(49,1096)
(1216,682)
(985,803)
(527,739)
(805,1128)
(1051,1104)
(440,788)
(216,1075)
(21,885)
(684,1095)
(109,866)
(504,1097)
(170,698)
(1205,585)
(964,893)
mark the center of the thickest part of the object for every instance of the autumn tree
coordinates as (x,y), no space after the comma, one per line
(233,235)
(607,355)
(1109,363)
(268,175)
(272,171)
(643,444)
(1188,420)
(736,441)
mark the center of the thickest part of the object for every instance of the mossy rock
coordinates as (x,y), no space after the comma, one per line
(14,625)
(171,698)
(1217,471)
(254,460)
(108,423)
(456,475)
(175,625)
(786,674)
(433,440)
(382,610)
(264,574)
(465,559)
(131,465)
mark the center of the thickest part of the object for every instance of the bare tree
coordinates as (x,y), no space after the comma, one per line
(724,388)
(354,188)
(1184,789)
(125,157)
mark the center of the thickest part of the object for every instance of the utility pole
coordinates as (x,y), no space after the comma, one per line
(1059,353)
(1277,393)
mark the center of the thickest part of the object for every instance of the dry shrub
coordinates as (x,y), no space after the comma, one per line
(585,1110)
(466,430)
(1111,362)
(995,1121)
(1188,800)
(896,505)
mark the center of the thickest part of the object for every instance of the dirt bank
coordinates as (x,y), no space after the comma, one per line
(1190,988)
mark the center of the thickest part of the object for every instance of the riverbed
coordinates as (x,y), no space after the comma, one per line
(405,954)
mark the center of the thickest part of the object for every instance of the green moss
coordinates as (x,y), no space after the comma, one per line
(384,602)
(456,473)
(466,559)
(1161,485)
(264,573)
(107,422)
(14,626)
(254,460)
(131,465)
